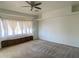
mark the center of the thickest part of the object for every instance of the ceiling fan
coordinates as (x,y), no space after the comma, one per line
(33,5)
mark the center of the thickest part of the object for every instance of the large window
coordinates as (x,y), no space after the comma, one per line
(18,28)
(14,27)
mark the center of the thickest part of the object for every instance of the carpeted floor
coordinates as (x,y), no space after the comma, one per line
(39,49)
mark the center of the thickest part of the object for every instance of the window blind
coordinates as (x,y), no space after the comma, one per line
(15,27)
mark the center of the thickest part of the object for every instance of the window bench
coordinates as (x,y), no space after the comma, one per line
(15,40)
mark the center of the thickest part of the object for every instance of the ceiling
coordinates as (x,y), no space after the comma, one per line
(46,5)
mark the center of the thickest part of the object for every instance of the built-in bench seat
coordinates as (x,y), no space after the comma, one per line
(15,40)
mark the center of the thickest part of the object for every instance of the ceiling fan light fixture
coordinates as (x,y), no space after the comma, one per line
(33,5)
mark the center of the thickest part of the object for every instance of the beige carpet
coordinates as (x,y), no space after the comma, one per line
(39,49)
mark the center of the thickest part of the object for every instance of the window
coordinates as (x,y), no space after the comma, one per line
(10,32)
(18,29)
(14,27)
(1,29)
(27,27)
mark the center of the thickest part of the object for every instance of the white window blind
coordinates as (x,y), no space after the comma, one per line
(15,27)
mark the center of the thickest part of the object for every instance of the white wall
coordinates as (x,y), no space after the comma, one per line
(60,26)
(35,29)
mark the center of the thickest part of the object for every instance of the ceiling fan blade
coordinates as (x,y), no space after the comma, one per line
(28,2)
(32,3)
(25,6)
(38,4)
(38,7)
(31,8)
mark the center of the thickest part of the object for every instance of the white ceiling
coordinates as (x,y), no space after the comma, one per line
(46,5)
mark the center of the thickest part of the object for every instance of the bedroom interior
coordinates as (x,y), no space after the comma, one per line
(39,29)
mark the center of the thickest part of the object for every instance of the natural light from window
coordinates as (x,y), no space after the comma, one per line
(15,27)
